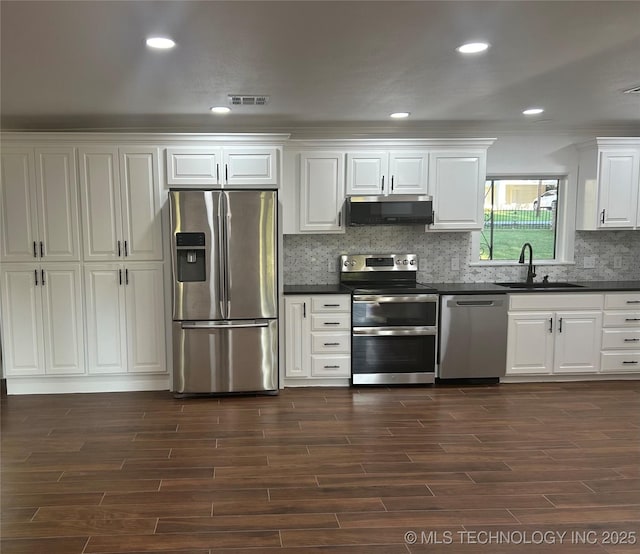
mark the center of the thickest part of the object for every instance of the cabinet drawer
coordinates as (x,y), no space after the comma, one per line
(623,301)
(329,322)
(555,302)
(331,303)
(325,343)
(620,361)
(621,319)
(330,366)
(621,338)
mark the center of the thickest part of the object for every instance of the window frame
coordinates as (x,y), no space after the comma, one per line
(565,223)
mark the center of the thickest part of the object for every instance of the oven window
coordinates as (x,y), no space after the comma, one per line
(396,354)
(390,314)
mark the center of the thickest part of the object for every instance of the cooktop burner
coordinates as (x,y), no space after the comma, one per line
(389,288)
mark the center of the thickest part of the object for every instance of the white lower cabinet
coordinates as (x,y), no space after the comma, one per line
(125,318)
(621,333)
(42,319)
(554,334)
(317,338)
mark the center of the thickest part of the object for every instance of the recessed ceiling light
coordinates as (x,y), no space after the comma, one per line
(472,47)
(220,110)
(399,115)
(533,111)
(160,43)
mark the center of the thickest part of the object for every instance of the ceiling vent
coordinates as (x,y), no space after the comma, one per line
(635,90)
(248,100)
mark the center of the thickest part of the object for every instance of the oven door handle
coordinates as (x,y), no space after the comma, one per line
(378,298)
(394,331)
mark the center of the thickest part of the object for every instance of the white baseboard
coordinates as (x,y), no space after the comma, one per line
(569,378)
(86,383)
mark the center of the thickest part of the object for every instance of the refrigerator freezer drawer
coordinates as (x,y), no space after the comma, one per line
(225,357)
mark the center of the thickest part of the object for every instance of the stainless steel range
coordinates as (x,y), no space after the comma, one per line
(394,320)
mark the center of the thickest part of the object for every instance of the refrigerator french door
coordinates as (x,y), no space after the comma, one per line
(225,328)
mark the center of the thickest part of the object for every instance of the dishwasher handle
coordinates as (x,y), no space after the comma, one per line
(454,302)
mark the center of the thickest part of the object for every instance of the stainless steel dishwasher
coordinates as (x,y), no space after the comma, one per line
(473,336)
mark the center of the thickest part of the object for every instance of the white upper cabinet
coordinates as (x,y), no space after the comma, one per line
(198,166)
(609,184)
(381,172)
(321,192)
(39,205)
(456,183)
(120,198)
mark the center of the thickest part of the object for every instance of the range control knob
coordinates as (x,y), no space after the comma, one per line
(405,262)
(412,262)
(346,264)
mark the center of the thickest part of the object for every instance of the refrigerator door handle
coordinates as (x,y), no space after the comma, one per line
(222,267)
(226,232)
(212,325)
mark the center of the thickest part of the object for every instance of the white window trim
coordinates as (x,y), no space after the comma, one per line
(566,222)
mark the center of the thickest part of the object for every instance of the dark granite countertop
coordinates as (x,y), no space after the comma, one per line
(481,288)
(315,289)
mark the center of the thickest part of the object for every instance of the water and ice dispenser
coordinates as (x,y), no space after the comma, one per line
(191,257)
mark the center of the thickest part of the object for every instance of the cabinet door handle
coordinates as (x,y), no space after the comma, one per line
(632,318)
(42,275)
(35,252)
(41,250)
(560,326)
(550,325)
(633,362)
(120,276)
(217,173)
(226,173)
(602,217)
(331,305)
(126,249)
(392,183)
(383,183)
(119,253)
(339,219)
(337,366)
(331,344)
(331,323)
(631,340)
(633,301)
(304,309)
(35,272)
(126,276)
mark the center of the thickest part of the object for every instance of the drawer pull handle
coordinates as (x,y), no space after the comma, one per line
(631,340)
(331,323)
(331,305)
(338,344)
(632,318)
(634,362)
(338,367)
(633,301)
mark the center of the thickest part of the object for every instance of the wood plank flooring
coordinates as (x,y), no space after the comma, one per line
(544,468)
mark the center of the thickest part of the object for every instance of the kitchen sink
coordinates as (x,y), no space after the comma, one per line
(540,286)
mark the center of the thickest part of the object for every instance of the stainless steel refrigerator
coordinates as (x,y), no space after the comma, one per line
(225,307)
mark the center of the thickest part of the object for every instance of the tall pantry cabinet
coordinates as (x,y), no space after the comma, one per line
(69,209)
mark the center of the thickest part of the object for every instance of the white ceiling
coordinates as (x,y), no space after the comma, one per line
(325,65)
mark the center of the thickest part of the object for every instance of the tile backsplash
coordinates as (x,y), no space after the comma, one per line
(445,257)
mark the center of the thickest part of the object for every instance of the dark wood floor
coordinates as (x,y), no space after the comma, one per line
(498,469)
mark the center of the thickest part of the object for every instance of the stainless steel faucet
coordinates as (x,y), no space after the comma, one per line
(531,270)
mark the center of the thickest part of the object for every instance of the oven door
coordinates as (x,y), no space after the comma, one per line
(394,310)
(387,356)
(394,338)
